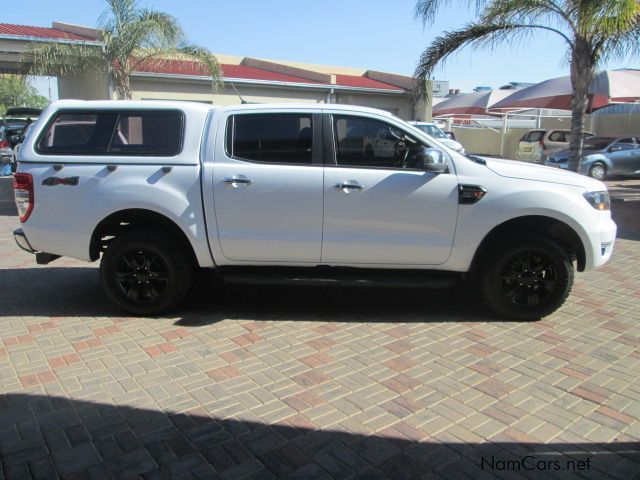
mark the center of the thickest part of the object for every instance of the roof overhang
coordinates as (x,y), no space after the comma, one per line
(24,38)
(269,83)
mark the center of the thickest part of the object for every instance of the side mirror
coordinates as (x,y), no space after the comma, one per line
(450,135)
(433,160)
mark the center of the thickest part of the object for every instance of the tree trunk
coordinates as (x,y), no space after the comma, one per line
(122,84)
(582,74)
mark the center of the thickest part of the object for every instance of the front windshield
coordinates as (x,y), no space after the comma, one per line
(432,130)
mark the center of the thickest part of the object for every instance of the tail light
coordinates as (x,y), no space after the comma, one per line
(542,145)
(5,144)
(23,189)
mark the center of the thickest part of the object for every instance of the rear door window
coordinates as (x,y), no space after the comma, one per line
(558,136)
(144,132)
(283,138)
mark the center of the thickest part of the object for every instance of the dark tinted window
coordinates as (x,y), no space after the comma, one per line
(365,142)
(533,136)
(597,143)
(145,132)
(271,137)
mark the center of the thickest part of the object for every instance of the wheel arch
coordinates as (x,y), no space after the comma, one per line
(124,220)
(556,229)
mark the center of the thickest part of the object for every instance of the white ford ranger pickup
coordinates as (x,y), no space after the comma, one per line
(291,193)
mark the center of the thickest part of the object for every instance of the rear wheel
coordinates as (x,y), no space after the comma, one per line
(598,171)
(526,278)
(144,272)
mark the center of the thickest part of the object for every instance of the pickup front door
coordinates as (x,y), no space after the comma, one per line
(380,208)
(267,187)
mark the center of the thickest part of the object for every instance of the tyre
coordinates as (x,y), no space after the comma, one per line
(598,171)
(145,272)
(526,278)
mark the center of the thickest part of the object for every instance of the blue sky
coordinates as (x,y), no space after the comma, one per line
(374,34)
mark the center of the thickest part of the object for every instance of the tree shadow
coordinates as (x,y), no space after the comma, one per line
(75,291)
(47,437)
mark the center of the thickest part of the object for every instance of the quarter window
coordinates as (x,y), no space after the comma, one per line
(148,132)
(271,138)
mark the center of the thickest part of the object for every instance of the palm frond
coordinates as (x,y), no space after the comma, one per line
(117,15)
(60,59)
(473,34)
(426,10)
(527,12)
(158,29)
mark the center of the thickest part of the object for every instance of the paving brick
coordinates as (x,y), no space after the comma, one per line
(255,387)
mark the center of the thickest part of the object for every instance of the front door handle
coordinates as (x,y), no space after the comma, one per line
(348,186)
(237,180)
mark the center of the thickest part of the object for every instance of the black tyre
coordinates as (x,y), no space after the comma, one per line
(598,171)
(526,278)
(145,272)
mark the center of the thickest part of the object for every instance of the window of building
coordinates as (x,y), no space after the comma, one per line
(146,132)
(271,137)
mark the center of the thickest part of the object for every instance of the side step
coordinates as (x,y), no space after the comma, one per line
(343,276)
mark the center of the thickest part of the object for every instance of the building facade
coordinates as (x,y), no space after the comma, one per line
(244,78)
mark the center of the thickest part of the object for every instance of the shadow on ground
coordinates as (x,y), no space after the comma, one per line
(43,437)
(73,291)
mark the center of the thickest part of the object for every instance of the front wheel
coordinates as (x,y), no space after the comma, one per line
(598,171)
(526,278)
(145,273)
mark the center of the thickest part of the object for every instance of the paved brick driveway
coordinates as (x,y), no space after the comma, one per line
(255,382)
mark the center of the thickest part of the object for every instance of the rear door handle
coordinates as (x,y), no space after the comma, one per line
(237,180)
(348,186)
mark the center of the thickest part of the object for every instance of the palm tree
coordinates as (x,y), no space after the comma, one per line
(131,36)
(594,31)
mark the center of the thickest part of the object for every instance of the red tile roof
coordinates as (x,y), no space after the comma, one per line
(39,32)
(183,67)
(363,82)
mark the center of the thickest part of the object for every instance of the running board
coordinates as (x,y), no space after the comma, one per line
(342,276)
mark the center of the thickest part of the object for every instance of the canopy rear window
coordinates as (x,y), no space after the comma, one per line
(112,132)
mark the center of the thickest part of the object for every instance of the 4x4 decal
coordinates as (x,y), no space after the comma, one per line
(52,181)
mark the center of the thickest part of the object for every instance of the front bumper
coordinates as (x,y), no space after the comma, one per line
(602,236)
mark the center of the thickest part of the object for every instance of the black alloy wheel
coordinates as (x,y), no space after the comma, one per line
(141,275)
(146,271)
(529,278)
(526,278)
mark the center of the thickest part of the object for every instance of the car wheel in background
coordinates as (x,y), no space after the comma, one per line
(598,171)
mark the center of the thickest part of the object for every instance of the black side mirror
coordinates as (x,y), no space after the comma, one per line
(450,135)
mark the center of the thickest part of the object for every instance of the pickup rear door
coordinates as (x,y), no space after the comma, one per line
(378,208)
(267,186)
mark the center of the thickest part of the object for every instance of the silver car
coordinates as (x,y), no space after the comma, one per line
(602,156)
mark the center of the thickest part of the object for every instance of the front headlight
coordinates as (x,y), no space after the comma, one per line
(598,200)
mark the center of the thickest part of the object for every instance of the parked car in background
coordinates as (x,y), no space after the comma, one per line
(443,137)
(602,156)
(5,153)
(536,145)
(15,122)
